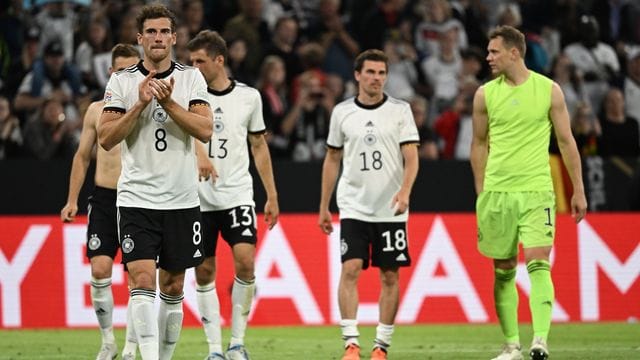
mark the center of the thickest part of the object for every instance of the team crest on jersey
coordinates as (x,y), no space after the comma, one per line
(159,115)
(127,244)
(94,242)
(370,139)
(343,247)
(218,126)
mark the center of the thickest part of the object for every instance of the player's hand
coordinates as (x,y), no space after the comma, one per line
(206,170)
(162,89)
(271,212)
(324,221)
(68,212)
(578,206)
(144,89)
(400,203)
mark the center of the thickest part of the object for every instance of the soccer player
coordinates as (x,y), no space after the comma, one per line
(102,238)
(512,120)
(378,137)
(227,193)
(156,109)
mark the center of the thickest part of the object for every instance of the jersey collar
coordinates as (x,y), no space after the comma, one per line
(223,92)
(161,75)
(372,106)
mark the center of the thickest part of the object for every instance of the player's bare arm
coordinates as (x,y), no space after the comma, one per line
(115,126)
(410,155)
(330,169)
(479,140)
(570,156)
(81,160)
(262,159)
(196,121)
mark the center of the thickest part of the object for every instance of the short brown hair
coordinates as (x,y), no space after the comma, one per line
(123,50)
(155,11)
(209,41)
(511,37)
(371,55)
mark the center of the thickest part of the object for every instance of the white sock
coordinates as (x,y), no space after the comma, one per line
(383,336)
(169,324)
(130,341)
(144,322)
(102,300)
(209,308)
(241,299)
(349,328)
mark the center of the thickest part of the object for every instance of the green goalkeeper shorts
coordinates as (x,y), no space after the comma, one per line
(508,218)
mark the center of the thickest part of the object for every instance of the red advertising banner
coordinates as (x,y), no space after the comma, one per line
(44,275)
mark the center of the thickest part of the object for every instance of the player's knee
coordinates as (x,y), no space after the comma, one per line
(101,272)
(245,269)
(351,272)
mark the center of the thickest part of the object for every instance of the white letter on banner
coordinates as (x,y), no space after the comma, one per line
(456,283)
(593,254)
(12,273)
(77,275)
(367,311)
(275,251)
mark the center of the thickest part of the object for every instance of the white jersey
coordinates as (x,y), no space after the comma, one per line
(159,169)
(237,111)
(372,162)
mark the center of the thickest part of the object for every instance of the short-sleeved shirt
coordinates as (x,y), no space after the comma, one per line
(373,169)
(159,169)
(237,112)
(519,134)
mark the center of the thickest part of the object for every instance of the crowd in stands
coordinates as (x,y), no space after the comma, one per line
(55,58)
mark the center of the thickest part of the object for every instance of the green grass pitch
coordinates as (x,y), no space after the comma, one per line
(567,341)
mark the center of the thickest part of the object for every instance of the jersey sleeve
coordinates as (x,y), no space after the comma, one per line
(113,95)
(408,129)
(256,122)
(199,94)
(335,139)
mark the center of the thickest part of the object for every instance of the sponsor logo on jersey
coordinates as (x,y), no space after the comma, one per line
(401,257)
(127,244)
(94,242)
(197,253)
(247,232)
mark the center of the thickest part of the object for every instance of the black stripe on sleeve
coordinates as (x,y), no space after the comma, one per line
(198,102)
(263,131)
(334,147)
(410,142)
(113,109)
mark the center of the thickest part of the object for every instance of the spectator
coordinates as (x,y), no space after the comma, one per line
(428,149)
(48,135)
(252,29)
(620,136)
(237,62)
(272,87)
(631,84)
(10,135)
(307,124)
(93,56)
(565,74)
(443,71)
(597,60)
(193,16)
(51,77)
(404,79)
(586,129)
(337,40)
(437,18)
(21,66)
(60,21)
(180,51)
(379,22)
(283,44)
(453,126)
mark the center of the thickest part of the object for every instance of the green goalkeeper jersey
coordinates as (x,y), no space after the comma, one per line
(519,134)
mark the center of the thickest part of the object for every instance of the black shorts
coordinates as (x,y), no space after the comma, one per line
(171,237)
(237,225)
(385,243)
(102,227)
